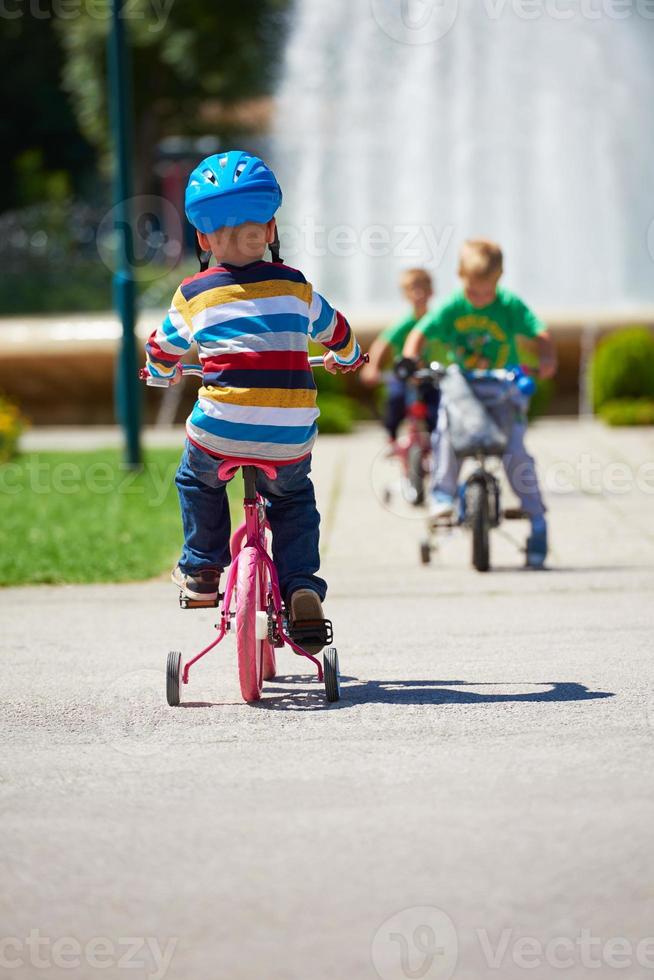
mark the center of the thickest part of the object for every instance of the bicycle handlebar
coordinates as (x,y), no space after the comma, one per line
(195,370)
(406,369)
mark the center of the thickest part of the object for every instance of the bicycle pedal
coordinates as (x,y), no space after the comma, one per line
(312,632)
(187,603)
(514,514)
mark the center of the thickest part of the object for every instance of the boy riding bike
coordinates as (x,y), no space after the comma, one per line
(480,324)
(417,287)
(252,321)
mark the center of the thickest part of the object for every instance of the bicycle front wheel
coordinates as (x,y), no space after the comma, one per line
(479,521)
(248,647)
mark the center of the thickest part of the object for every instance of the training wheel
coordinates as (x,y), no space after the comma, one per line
(331,674)
(173,672)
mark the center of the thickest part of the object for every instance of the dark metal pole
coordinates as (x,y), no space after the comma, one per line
(128,394)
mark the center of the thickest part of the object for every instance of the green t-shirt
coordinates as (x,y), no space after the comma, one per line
(397,333)
(488,334)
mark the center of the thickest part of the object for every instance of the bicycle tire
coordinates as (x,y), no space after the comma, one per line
(249,649)
(331,674)
(416,474)
(479,521)
(173,677)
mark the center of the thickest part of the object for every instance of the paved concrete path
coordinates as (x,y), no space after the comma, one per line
(486,778)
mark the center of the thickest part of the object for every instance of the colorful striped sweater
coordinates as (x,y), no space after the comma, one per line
(252,325)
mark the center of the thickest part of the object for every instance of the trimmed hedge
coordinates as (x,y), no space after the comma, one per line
(628,411)
(623,367)
(337,413)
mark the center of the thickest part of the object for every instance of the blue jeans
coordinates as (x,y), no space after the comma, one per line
(291,511)
(519,466)
(398,395)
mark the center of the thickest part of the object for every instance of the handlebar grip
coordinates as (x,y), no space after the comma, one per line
(317,361)
(196,370)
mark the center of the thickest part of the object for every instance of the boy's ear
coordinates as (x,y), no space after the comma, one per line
(271,228)
(203,241)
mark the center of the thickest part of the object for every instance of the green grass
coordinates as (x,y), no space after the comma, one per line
(71,517)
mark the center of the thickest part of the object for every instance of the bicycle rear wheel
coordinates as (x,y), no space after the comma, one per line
(248,601)
(479,520)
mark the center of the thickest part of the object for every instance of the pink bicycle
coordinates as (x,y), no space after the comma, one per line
(251,605)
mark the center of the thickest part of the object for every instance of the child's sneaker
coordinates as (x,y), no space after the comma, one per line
(201,585)
(305,613)
(537,544)
(442,506)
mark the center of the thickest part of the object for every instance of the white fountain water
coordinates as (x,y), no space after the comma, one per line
(525,121)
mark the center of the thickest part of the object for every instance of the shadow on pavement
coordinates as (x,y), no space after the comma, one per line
(414,692)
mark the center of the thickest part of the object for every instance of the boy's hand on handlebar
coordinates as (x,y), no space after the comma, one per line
(177,376)
(333,366)
(405,367)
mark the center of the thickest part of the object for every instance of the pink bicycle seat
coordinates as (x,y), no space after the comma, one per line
(228,468)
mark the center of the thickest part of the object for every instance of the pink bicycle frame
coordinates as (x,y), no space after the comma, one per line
(251,534)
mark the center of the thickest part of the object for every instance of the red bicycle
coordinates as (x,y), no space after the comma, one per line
(412,448)
(251,606)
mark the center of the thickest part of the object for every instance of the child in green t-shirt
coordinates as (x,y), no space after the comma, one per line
(480,325)
(417,287)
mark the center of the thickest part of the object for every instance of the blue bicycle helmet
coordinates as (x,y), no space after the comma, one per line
(228,189)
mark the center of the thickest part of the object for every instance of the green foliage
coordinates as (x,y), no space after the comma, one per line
(81,517)
(623,366)
(183,56)
(28,292)
(12,424)
(40,136)
(628,411)
(187,55)
(337,413)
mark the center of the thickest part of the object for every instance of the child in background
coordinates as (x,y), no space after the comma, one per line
(480,324)
(417,287)
(252,321)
